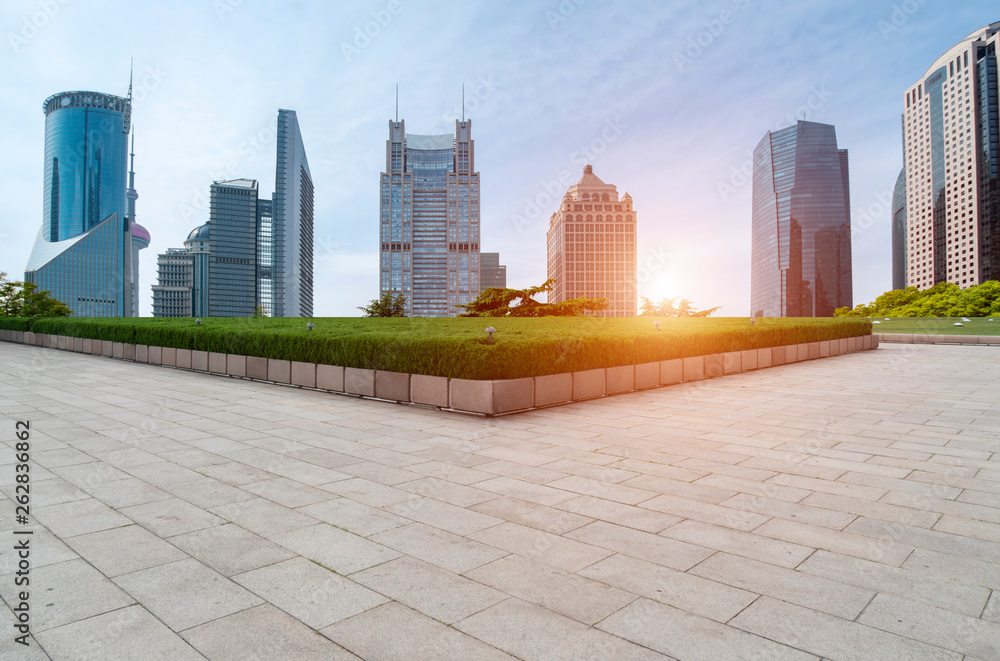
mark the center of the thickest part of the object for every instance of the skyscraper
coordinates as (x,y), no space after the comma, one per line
(491,272)
(801,250)
(232,260)
(951,151)
(592,246)
(429,220)
(87,246)
(899,232)
(291,272)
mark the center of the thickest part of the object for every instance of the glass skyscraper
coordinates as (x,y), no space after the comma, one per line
(899,232)
(88,244)
(291,225)
(429,220)
(232,260)
(801,251)
(491,272)
(951,151)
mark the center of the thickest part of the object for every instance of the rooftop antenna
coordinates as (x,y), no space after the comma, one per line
(463,103)
(127,123)
(397,103)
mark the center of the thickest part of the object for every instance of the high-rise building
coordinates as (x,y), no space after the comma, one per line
(491,272)
(899,232)
(182,278)
(429,220)
(801,251)
(951,151)
(592,246)
(291,272)
(86,252)
(232,258)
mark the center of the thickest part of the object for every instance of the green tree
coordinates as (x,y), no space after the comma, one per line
(23,299)
(260,312)
(387,306)
(501,302)
(945,299)
(666,308)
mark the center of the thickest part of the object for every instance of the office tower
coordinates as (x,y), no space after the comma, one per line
(291,273)
(491,272)
(182,277)
(232,258)
(88,244)
(899,232)
(429,220)
(951,151)
(591,246)
(801,251)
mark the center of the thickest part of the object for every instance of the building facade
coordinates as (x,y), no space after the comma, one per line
(173,291)
(801,234)
(899,232)
(951,151)
(287,258)
(491,272)
(86,252)
(592,246)
(232,258)
(429,220)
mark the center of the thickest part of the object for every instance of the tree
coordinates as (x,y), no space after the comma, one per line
(260,312)
(501,302)
(23,299)
(666,308)
(945,299)
(387,306)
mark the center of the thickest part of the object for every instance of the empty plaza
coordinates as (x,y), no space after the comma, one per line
(843,508)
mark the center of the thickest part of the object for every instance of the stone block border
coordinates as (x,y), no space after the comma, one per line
(967,340)
(483,397)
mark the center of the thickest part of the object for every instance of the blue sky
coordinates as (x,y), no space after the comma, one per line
(666,100)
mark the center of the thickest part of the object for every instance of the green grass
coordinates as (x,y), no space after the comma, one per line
(937,325)
(458,348)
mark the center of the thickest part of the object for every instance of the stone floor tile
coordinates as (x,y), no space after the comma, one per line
(45,548)
(435,592)
(535,493)
(832,637)
(354,517)
(267,633)
(447,492)
(645,546)
(534,633)
(263,517)
(310,593)
(336,549)
(686,508)
(774,551)
(126,633)
(925,539)
(448,551)
(368,492)
(884,510)
(604,490)
(549,519)
(683,635)
(799,512)
(127,492)
(555,550)
(78,517)
(685,591)
(630,516)
(122,550)
(171,517)
(393,631)
(55,492)
(186,593)
(229,549)
(447,517)
(287,492)
(844,541)
(207,492)
(671,487)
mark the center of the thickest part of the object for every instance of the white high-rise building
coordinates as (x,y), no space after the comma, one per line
(288,261)
(951,151)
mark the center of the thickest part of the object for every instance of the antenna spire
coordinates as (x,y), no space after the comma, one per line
(463,103)
(127,123)
(397,103)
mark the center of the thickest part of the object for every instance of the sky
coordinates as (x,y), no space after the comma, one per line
(666,99)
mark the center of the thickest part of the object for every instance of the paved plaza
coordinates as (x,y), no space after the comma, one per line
(846,508)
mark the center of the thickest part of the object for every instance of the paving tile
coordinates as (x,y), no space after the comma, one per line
(337,549)
(619,513)
(831,637)
(171,517)
(229,549)
(992,611)
(78,517)
(683,635)
(926,539)
(312,594)
(266,632)
(393,631)
(967,571)
(532,515)
(127,492)
(55,492)
(434,513)
(884,509)
(663,485)
(354,517)
(45,548)
(809,590)
(554,550)
(646,546)
(686,508)
(448,551)
(448,492)
(772,488)
(682,590)
(287,492)
(774,551)
(770,507)
(235,473)
(368,492)
(125,633)
(186,593)
(65,592)
(844,541)
(122,550)
(435,592)
(917,586)
(535,493)
(563,592)
(534,633)
(969,528)
(936,626)
(263,517)
(207,492)
(603,490)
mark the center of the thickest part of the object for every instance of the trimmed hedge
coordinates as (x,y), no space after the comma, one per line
(457,348)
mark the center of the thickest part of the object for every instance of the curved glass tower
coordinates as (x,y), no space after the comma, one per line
(899,232)
(84,254)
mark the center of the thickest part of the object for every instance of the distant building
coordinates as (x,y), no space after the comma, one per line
(253,251)
(87,249)
(592,246)
(801,251)
(429,220)
(899,232)
(491,272)
(173,291)
(951,149)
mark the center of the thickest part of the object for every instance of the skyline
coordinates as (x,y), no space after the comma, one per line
(658,99)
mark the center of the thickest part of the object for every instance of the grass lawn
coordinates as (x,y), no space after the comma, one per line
(937,325)
(459,348)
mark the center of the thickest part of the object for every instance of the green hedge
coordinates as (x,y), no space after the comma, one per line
(457,348)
